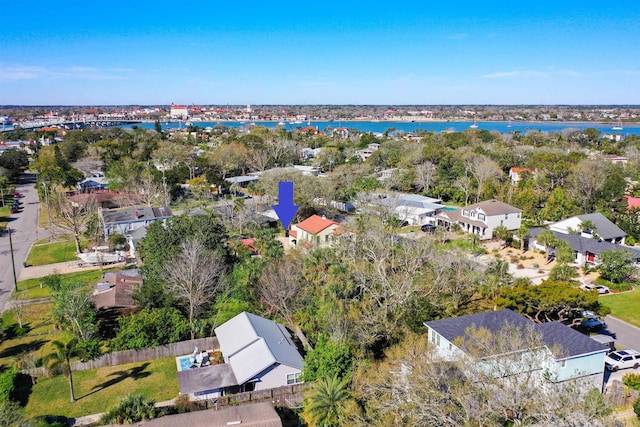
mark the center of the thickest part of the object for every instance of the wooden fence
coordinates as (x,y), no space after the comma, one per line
(132,356)
(289,396)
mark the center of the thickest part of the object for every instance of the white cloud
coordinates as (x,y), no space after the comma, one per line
(18,72)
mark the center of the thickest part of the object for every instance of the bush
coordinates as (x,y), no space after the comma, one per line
(636,407)
(629,240)
(620,287)
(7,384)
(632,380)
(520,266)
(130,409)
(150,328)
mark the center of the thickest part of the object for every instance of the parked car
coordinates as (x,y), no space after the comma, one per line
(428,228)
(600,288)
(622,359)
(17,195)
(14,209)
(591,324)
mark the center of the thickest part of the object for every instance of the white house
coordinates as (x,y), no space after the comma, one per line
(603,228)
(414,208)
(482,218)
(564,353)
(315,231)
(258,354)
(515,174)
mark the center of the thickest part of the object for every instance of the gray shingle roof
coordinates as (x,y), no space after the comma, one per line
(566,342)
(493,207)
(260,414)
(605,228)
(561,339)
(207,378)
(144,213)
(251,344)
(586,244)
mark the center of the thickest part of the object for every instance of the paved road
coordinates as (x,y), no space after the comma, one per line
(626,335)
(24,232)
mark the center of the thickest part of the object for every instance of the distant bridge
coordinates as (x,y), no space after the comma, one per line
(71,124)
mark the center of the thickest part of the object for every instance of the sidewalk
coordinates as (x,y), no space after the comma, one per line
(61,268)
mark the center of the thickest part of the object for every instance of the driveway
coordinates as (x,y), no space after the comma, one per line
(626,335)
(609,376)
(23,227)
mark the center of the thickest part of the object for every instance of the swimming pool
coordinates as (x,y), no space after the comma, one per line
(184,363)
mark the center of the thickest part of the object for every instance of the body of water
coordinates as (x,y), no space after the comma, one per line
(405,126)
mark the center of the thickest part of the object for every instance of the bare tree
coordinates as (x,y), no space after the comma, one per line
(586,180)
(426,174)
(483,169)
(194,276)
(72,214)
(281,292)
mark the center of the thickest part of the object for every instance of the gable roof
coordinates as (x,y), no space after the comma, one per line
(605,228)
(561,339)
(583,244)
(315,224)
(493,207)
(135,214)
(251,344)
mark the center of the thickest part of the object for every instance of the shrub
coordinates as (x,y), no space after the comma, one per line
(636,407)
(513,259)
(620,287)
(520,266)
(7,384)
(632,380)
(630,240)
(130,409)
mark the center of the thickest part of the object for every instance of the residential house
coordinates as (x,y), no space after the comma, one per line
(414,209)
(585,249)
(93,183)
(258,355)
(315,231)
(126,220)
(365,153)
(482,218)
(114,290)
(603,230)
(516,174)
(565,353)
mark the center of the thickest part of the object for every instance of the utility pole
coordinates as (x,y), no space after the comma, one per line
(13,262)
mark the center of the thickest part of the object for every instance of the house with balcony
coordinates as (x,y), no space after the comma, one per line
(482,218)
(559,353)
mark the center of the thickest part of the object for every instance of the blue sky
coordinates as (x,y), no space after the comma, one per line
(329,52)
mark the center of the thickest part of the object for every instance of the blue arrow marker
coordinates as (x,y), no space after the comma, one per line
(285,209)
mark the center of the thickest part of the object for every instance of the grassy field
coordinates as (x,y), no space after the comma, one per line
(34,288)
(624,305)
(97,390)
(37,319)
(51,253)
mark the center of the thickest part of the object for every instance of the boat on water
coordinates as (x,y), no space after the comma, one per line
(475,123)
(618,126)
(97,257)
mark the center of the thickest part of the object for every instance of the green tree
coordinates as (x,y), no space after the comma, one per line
(7,384)
(501,232)
(548,240)
(523,233)
(326,402)
(616,266)
(61,357)
(327,359)
(550,301)
(150,328)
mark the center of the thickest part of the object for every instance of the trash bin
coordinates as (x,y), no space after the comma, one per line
(24,264)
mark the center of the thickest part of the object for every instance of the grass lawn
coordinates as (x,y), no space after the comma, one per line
(51,253)
(624,305)
(32,289)
(37,318)
(5,213)
(97,390)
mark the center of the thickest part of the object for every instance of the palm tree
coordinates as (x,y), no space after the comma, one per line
(549,240)
(62,355)
(502,233)
(523,234)
(587,226)
(326,402)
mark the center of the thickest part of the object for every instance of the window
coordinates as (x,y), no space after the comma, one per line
(563,364)
(481,217)
(506,216)
(294,378)
(465,213)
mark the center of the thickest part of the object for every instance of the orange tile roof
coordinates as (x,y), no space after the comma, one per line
(293,233)
(315,224)
(518,170)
